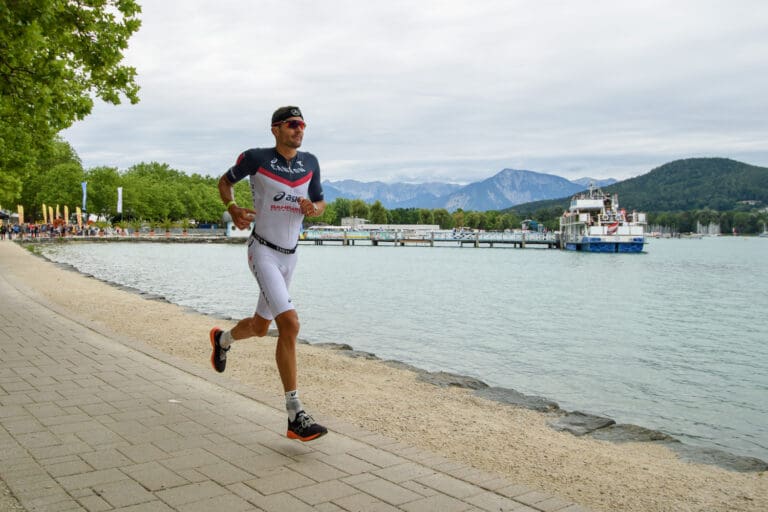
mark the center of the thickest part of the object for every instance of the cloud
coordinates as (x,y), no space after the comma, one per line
(443,90)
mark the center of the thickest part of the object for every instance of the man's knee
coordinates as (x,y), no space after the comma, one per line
(258,326)
(288,323)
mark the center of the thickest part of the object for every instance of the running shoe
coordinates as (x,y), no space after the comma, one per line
(304,428)
(218,354)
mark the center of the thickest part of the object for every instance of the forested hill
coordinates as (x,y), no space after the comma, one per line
(692,184)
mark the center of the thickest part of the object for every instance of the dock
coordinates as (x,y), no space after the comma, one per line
(517,239)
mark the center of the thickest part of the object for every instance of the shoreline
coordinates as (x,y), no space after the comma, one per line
(390,399)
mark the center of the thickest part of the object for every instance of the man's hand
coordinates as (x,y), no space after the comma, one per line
(242,217)
(308,208)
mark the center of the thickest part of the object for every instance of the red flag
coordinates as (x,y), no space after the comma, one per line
(612,228)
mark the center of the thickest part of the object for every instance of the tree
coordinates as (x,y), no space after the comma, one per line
(61,186)
(459,218)
(426,217)
(359,208)
(56,178)
(102,190)
(343,208)
(55,56)
(378,213)
(443,218)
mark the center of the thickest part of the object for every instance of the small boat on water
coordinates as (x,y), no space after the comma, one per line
(595,223)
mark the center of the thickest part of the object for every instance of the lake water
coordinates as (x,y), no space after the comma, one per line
(674,339)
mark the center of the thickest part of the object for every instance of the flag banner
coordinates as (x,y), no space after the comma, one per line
(119,199)
(58,212)
(79,217)
(50,214)
(45,214)
(21,214)
(85,193)
(612,228)
(66,214)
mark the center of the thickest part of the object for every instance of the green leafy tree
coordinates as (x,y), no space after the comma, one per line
(443,218)
(56,179)
(102,190)
(378,214)
(459,219)
(62,186)
(343,208)
(55,57)
(329,216)
(405,216)
(473,219)
(425,216)
(359,208)
(741,222)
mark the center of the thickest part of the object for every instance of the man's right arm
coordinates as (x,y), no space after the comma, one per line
(241,217)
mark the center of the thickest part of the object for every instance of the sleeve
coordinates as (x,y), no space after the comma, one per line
(315,191)
(243,167)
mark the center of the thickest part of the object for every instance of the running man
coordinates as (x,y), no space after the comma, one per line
(285,184)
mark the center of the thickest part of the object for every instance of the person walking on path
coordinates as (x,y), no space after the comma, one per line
(285,184)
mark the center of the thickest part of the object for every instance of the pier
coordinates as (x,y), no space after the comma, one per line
(442,238)
(517,239)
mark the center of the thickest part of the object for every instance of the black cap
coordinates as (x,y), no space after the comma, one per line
(284,113)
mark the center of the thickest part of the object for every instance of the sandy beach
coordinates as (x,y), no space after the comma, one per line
(517,443)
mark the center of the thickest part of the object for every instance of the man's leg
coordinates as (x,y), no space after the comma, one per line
(221,341)
(285,352)
(250,327)
(300,424)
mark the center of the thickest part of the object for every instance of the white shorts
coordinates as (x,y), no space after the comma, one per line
(273,271)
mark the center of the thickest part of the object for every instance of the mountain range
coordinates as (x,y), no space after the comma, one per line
(718,184)
(508,187)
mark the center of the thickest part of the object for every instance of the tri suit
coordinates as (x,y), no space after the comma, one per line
(276,186)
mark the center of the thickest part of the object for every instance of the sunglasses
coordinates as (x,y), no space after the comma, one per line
(292,124)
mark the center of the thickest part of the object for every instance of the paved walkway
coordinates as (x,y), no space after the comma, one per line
(92,421)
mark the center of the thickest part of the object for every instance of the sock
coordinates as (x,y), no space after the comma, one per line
(292,404)
(226,339)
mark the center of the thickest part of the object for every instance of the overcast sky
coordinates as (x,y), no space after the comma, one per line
(450,90)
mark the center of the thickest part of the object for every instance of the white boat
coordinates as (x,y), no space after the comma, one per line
(595,223)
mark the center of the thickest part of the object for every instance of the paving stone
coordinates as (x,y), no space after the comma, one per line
(140,453)
(324,491)
(449,485)
(105,459)
(364,503)
(94,504)
(225,473)
(437,503)
(279,480)
(153,476)
(229,502)
(191,493)
(68,468)
(402,472)
(349,464)
(317,471)
(91,479)
(378,457)
(493,502)
(387,491)
(152,506)
(280,502)
(124,493)
(194,458)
